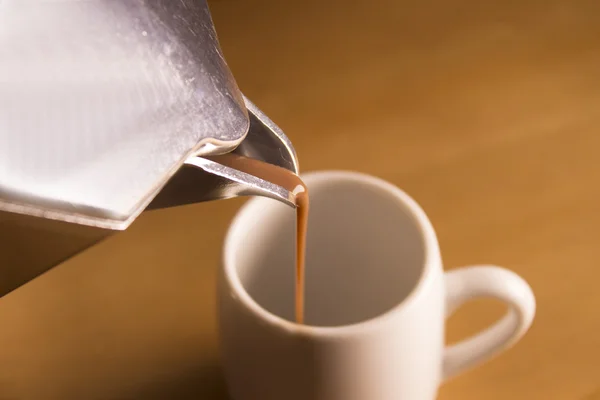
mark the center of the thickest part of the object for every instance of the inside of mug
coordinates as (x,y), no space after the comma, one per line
(365,253)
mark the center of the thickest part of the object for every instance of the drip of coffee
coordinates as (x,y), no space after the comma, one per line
(292,183)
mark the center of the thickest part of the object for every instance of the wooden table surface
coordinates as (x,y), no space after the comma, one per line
(486,112)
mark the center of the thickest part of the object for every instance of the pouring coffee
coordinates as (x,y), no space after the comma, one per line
(108,109)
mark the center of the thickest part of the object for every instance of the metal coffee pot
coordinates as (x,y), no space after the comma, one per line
(106,110)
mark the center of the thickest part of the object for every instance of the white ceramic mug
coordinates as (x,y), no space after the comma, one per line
(376,299)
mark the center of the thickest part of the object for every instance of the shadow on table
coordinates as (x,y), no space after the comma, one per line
(200,382)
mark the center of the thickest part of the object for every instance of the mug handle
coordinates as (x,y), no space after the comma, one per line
(468,283)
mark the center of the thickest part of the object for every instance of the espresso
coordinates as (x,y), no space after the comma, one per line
(291,182)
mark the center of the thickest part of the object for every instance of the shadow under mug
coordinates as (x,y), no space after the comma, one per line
(376,299)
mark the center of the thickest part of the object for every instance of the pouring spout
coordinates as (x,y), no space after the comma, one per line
(203,179)
(267,142)
(233,182)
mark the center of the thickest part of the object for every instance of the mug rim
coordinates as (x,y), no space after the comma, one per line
(431,257)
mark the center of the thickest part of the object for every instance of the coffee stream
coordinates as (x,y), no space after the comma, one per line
(291,182)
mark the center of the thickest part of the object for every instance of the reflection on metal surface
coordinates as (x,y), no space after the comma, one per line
(102,104)
(29,246)
(203,180)
(101,101)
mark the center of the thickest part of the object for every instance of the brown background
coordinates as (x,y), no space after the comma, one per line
(486,112)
